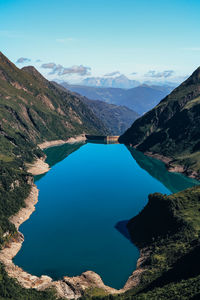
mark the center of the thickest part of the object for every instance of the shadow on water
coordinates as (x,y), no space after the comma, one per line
(121,226)
(58,153)
(174,182)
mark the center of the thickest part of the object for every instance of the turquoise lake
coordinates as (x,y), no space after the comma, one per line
(85,200)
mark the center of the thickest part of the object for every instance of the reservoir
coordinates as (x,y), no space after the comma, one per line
(85,200)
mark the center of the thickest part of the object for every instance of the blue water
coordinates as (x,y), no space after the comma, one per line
(84,200)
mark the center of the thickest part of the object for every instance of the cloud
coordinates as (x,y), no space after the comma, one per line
(48,66)
(113,73)
(23,60)
(163,74)
(60,70)
(134,73)
(38,60)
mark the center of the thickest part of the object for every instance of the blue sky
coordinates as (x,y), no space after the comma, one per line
(123,35)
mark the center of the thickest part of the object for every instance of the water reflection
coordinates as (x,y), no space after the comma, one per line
(58,153)
(175,182)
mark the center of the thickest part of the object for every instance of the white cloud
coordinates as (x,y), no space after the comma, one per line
(163,74)
(23,60)
(60,70)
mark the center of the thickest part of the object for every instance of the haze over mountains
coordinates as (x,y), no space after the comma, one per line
(140,99)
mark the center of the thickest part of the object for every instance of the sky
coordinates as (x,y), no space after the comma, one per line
(145,40)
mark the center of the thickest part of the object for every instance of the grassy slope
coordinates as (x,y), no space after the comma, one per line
(174,246)
(31,110)
(169,228)
(172,127)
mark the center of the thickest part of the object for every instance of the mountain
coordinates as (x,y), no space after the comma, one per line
(171,129)
(120,81)
(115,118)
(139,99)
(143,97)
(33,110)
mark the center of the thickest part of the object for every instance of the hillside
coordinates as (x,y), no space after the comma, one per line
(167,233)
(171,129)
(32,110)
(139,99)
(115,118)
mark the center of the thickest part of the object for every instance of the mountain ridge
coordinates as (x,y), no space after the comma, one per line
(115,117)
(139,99)
(171,128)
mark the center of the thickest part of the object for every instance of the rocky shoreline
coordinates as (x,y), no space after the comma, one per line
(68,287)
(77,139)
(172,166)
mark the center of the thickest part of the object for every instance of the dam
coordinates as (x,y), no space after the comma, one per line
(101,138)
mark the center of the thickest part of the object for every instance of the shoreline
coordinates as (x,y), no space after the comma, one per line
(67,287)
(172,166)
(71,140)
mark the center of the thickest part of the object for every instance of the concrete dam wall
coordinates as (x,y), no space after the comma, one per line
(102,138)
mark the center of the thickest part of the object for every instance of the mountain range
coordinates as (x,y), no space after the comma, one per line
(116,118)
(120,81)
(167,230)
(140,99)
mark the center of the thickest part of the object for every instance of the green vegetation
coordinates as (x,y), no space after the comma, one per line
(172,127)
(10,289)
(168,229)
(32,110)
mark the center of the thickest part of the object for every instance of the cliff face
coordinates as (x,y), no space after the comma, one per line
(172,127)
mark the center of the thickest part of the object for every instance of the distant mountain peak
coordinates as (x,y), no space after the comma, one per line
(120,81)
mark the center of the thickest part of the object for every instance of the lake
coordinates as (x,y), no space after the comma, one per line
(85,200)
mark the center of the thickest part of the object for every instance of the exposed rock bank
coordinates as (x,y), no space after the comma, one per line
(172,165)
(79,138)
(68,287)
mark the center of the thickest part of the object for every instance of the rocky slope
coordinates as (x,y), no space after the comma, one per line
(33,110)
(171,129)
